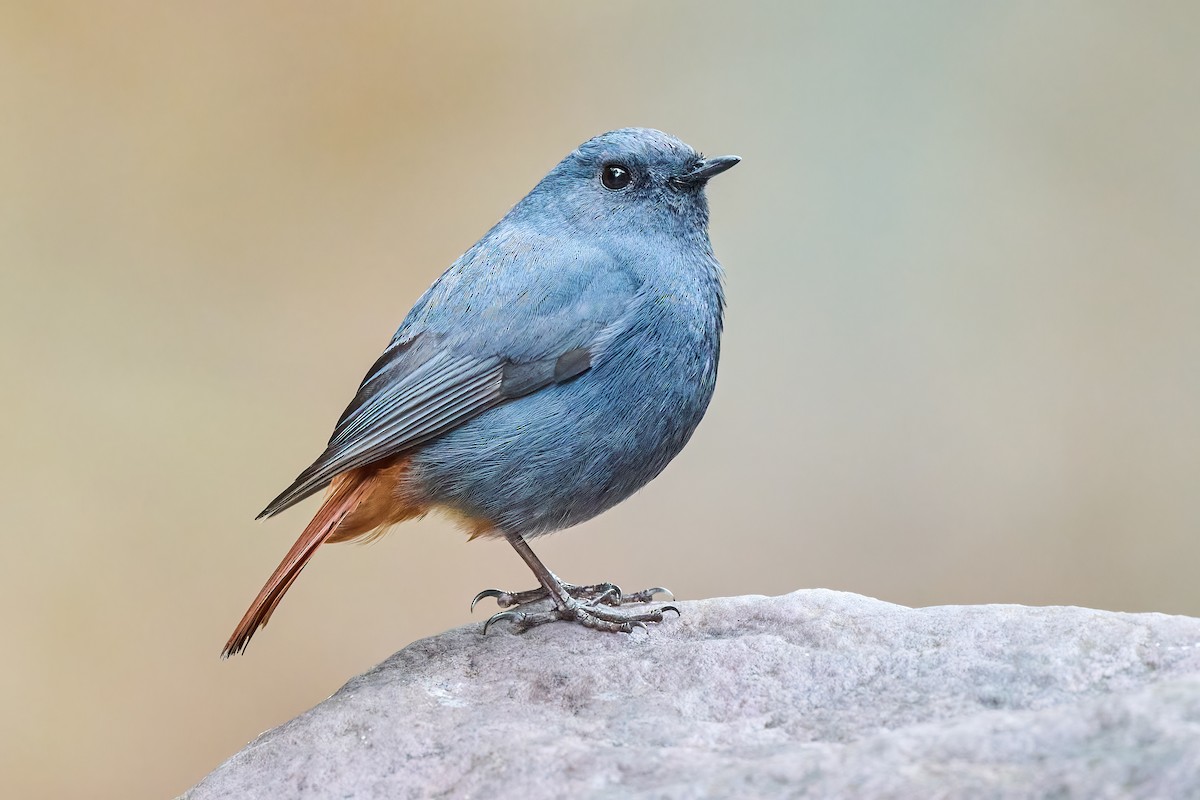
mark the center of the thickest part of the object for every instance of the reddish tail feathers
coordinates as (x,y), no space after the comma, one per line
(359,503)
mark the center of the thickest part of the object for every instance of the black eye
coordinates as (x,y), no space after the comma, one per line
(615,176)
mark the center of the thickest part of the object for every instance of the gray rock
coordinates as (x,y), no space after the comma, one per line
(814,694)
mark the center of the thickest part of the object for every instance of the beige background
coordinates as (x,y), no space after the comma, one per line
(962,362)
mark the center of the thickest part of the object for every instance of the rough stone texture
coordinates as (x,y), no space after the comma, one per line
(814,694)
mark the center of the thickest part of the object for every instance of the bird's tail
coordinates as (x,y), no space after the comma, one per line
(344,499)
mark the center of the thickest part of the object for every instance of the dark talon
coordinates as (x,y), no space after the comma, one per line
(513,616)
(486,593)
(610,592)
(659,590)
(665,609)
(641,625)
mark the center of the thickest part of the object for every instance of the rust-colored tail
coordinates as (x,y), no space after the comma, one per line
(359,502)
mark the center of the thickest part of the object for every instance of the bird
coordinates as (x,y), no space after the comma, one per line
(552,371)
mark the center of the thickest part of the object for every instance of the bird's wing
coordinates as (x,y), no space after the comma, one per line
(466,347)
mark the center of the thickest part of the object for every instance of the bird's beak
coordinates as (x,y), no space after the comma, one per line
(699,174)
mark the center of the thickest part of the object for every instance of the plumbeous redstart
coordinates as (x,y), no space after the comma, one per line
(552,371)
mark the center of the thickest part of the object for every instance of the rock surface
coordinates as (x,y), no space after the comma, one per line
(813,694)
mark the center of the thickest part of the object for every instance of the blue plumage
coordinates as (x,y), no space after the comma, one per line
(553,370)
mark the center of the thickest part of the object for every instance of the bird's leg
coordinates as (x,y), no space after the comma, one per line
(585,605)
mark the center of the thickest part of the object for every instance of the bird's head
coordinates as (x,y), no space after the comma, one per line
(633,179)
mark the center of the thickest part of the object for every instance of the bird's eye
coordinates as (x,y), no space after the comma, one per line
(615,176)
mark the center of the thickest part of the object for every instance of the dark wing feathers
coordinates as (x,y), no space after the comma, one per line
(389,358)
(571,363)
(397,407)
(520,379)
(416,392)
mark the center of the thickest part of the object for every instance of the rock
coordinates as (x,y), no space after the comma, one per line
(813,694)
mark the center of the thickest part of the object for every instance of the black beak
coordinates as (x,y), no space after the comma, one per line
(699,174)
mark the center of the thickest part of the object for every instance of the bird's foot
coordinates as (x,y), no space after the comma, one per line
(608,594)
(593,613)
(590,606)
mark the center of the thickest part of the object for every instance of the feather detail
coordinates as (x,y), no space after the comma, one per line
(361,504)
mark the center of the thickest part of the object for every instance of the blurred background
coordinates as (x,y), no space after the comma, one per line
(962,361)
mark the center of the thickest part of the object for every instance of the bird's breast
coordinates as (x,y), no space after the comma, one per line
(563,454)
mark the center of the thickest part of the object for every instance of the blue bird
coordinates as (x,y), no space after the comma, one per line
(552,371)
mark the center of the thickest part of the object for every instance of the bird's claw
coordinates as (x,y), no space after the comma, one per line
(648,595)
(516,617)
(610,594)
(496,593)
